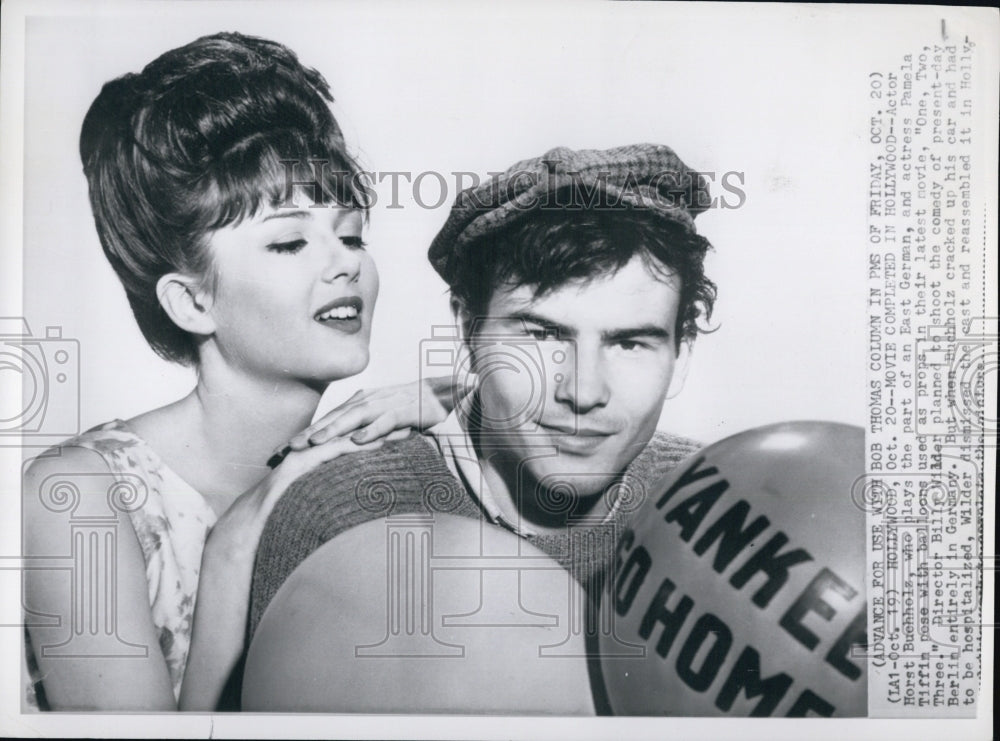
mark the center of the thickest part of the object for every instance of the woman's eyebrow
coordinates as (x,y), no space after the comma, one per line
(287,215)
(301,213)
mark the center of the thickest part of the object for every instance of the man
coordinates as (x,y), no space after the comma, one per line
(577,280)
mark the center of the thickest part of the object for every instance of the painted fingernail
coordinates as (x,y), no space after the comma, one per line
(278,457)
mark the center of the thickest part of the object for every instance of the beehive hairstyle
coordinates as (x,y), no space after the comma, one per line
(200,139)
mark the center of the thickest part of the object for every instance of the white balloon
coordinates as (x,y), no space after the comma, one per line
(742,579)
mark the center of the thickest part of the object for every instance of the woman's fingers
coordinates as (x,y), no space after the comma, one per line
(336,425)
(397,407)
(371,415)
(352,414)
(378,427)
(300,462)
(391,426)
(314,456)
(339,423)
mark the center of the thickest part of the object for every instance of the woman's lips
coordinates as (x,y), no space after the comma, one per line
(342,314)
(347,326)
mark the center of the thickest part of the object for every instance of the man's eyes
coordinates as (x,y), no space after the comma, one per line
(543,334)
(551,334)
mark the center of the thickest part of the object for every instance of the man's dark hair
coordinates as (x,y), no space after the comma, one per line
(552,247)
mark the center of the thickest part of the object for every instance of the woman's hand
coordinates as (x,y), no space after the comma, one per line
(226,571)
(385,413)
(239,528)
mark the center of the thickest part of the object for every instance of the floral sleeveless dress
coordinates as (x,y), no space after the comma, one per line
(171,525)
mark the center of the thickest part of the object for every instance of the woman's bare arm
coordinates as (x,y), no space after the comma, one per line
(223,602)
(96,677)
(124,671)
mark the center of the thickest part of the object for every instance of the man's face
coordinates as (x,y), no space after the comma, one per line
(584,369)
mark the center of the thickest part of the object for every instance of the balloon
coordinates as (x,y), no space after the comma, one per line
(421,615)
(741,581)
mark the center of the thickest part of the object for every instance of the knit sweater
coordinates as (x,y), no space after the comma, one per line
(410,477)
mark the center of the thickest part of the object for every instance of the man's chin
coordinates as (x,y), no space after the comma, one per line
(580,479)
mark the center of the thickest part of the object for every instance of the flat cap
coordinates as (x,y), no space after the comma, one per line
(636,176)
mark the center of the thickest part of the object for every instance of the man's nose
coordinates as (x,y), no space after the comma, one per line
(342,262)
(581,381)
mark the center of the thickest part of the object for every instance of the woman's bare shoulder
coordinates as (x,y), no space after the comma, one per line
(68,459)
(65,485)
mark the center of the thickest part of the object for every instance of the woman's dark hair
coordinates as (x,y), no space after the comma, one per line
(552,247)
(203,137)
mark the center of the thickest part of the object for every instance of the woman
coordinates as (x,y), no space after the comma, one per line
(267,291)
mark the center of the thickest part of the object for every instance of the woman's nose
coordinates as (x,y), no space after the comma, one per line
(341,262)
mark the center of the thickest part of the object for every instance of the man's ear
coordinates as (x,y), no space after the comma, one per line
(186,302)
(463,343)
(681,366)
(461,313)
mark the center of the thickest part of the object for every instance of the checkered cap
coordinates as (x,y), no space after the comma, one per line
(643,176)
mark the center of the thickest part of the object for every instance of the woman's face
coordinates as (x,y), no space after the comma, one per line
(294,294)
